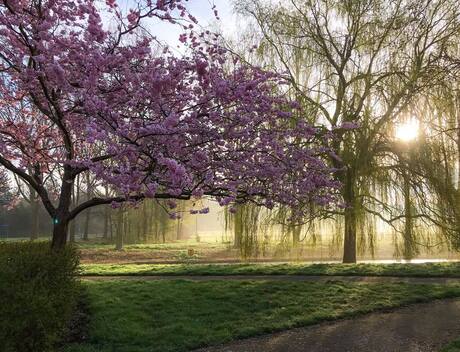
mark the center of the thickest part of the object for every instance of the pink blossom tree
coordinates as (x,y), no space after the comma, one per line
(78,97)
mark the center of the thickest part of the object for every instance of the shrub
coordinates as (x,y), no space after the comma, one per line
(38,294)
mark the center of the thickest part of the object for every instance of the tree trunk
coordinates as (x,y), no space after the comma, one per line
(59,234)
(61,217)
(296,230)
(237,228)
(72,229)
(408,251)
(349,242)
(179,229)
(106,222)
(457,103)
(457,209)
(157,219)
(86,226)
(75,201)
(88,211)
(111,226)
(120,230)
(35,208)
(127,227)
(144,222)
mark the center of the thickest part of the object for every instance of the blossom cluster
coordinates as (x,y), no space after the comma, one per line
(77,96)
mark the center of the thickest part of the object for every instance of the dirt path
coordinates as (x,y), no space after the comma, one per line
(324,278)
(416,328)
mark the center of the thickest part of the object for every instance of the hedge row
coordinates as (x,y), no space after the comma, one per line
(38,295)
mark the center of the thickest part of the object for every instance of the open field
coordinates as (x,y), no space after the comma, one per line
(183,251)
(188,251)
(100,251)
(169,316)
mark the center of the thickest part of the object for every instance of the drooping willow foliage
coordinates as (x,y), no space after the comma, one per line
(379,64)
(248,229)
(148,223)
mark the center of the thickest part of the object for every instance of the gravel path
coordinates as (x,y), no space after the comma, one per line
(308,278)
(416,328)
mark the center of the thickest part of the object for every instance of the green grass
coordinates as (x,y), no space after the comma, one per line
(406,270)
(179,315)
(452,347)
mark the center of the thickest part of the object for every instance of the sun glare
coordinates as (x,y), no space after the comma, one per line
(408,130)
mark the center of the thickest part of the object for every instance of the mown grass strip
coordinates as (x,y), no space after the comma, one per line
(404,270)
(179,315)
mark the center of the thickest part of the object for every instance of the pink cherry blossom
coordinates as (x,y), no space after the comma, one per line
(77,96)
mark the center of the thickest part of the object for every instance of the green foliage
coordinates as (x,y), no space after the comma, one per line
(406,270)
(452,347)
(245,224)
(175,316)
(38,291)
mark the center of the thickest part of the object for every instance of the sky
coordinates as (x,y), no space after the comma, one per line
(202,10)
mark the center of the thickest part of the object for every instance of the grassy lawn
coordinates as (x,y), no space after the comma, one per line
(179,315)
(415,270)
(96,252)
(453,347)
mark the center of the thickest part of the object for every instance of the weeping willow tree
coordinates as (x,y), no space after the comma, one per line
(150,222)
(436,164)
(363,63)
(245,223)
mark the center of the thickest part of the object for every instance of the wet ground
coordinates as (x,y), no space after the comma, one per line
(416,328)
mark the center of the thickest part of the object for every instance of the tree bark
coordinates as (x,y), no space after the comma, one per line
(35,208)
(457,209)
(61,216)
(296,235)
(179,222)
(144,222)
(111,225)
(86,226)
(408,250)
(106,222)
(59,234)
(88,211)
(120,230)
(72,230)
(75,202)
(349,242)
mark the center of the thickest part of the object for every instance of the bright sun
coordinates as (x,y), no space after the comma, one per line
(408,130)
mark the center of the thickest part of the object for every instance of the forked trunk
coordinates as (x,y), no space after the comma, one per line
(61,217)
(59,234)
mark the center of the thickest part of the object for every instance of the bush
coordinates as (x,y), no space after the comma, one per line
(38,294)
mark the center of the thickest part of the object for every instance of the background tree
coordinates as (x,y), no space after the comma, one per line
(29,195)
(360,63)
(5,189)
